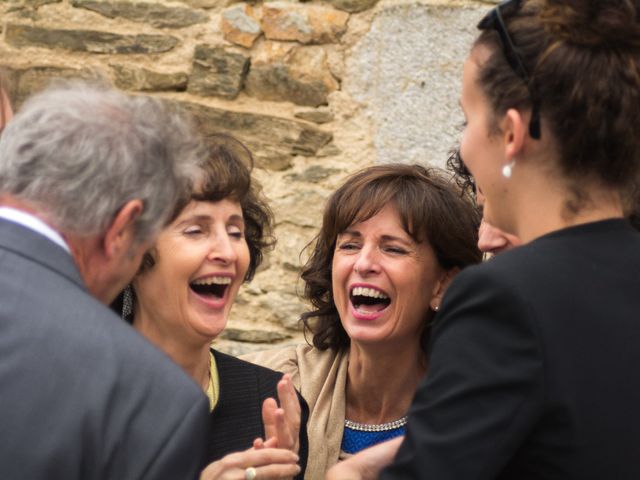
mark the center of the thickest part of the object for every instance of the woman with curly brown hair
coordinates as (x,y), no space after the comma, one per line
(529,371)
(392,238)
(180,301)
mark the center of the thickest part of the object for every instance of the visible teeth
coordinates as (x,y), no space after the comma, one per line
(213,281)
(368,292)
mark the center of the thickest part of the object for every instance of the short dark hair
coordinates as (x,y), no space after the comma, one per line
(431,209)
(226,174)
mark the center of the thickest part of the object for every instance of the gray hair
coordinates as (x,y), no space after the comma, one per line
(78,153)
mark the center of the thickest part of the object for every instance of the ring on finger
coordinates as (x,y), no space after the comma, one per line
(249,473)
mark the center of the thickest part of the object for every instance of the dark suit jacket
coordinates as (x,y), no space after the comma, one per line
(82,395)
(533,368)
(237,419)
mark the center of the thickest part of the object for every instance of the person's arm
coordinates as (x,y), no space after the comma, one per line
(484,390)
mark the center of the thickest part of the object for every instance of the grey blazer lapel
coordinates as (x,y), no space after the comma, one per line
(38,248)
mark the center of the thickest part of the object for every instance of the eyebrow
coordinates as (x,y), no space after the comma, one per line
(386,238)
(207,218)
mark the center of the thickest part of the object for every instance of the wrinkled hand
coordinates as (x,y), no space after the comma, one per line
(366,464)
(269,463)
(283,423)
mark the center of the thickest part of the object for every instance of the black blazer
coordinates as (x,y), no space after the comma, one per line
(533,368)
(237,419)
(83,395)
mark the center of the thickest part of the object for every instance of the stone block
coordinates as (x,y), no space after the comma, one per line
(24,82)
(240,24)
(131,77)
(208,3)
(313,174)
(39,3)
(272,140)
(410,92)
(353,6)
(319,115)
(217,71)
(303,23)
(93,41)
(301,208)
(288,72)
(153,13)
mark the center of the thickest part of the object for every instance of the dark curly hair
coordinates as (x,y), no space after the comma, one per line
(584,79)
(431,210)
(226,174)
(461,174)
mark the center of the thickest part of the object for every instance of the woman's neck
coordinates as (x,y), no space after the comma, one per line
(381,381)
(193,359)
(545,206)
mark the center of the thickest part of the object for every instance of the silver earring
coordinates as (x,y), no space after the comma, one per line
(127,302)
(507,170)
(436,308)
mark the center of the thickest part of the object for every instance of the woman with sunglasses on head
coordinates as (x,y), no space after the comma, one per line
(529,366)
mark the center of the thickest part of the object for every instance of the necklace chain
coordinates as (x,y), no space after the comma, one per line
(382,427)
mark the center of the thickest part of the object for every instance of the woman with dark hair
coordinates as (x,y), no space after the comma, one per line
(530,367)
(180,301)
(392,238)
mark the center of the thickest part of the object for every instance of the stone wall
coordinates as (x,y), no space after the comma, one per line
(317,90)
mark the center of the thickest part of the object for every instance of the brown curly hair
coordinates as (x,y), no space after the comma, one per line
(584,77)
(226,174)
(431,209)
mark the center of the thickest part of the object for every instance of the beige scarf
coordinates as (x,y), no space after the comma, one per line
(321,378)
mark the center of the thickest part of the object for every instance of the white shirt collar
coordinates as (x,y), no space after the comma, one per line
(33,223)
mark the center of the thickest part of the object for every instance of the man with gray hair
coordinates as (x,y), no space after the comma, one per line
(88,177)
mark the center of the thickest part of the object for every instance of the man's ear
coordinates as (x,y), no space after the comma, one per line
(120,234)
(441,286)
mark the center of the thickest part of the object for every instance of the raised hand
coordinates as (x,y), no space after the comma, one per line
(283,422)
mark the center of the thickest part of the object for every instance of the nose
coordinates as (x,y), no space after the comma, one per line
(491,239)
(367,262)
(221,249)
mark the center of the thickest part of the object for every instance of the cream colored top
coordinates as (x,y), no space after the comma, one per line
(321,378)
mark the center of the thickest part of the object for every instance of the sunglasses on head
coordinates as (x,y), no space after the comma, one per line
(493,20)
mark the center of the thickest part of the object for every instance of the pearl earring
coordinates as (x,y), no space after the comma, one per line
(507,170)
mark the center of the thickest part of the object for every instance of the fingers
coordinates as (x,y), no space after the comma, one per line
(269,463)
(290,405)
(259,443)
(269,472)
(269,407)
(367,463)
(284,431)
(284,422)
(288,398)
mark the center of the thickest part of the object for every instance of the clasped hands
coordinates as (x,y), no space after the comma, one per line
(276,456)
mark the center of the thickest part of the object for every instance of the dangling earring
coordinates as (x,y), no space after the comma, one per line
(507,170)
(127,302)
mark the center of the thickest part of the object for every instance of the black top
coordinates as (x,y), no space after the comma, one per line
(236,421)
(532,371)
